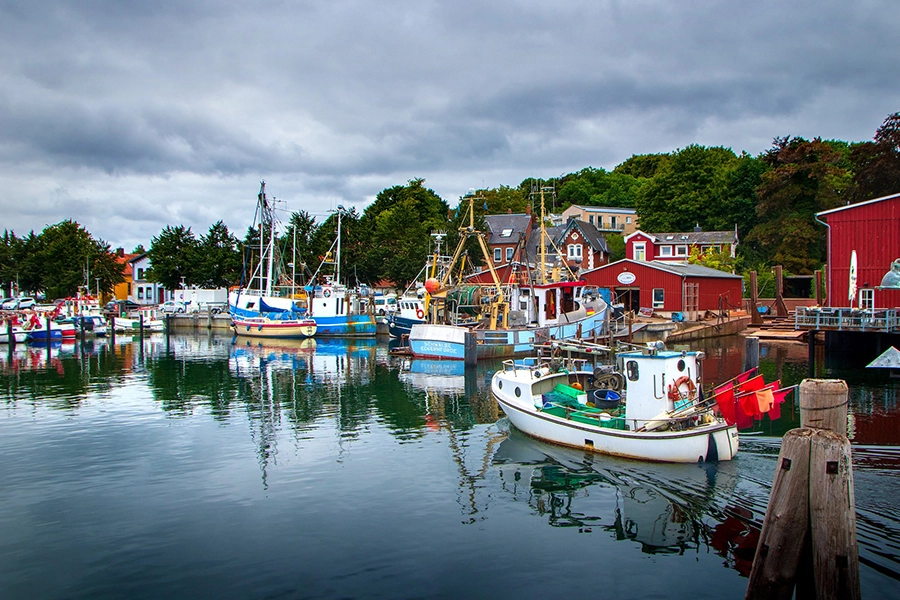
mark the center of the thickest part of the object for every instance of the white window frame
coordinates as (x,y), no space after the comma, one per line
(665,251)
(574,251)
(498,255)
(681,250)
(640,251)
(509,253)
(867,299)
(661,301)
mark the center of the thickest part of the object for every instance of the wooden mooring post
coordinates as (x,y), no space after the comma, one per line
(808,539)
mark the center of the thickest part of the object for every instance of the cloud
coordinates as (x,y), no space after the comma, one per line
(128,117)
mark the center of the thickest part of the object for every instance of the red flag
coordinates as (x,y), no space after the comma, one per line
(746,375)
(724,398)
(744,421)
(749,405)
(779,396)
(751,385)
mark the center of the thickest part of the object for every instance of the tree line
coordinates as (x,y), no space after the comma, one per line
(771,199)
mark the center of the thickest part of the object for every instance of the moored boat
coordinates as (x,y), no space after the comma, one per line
(660,415)
(471,321)
(264,327)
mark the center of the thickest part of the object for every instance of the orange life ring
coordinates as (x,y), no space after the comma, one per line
(675,388)
(420,313)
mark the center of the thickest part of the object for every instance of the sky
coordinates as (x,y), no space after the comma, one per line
(128,117)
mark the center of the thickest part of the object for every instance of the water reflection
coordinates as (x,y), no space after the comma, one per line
(665,509)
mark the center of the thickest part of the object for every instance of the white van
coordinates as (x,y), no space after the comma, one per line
(384,304)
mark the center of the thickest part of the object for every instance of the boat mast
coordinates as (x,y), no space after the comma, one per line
(337,267)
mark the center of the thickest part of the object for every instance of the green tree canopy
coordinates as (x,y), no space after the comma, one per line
(399,225)
(806,177)
(686,190)
(877,163)
(174,257)
(63,260)
(218,259)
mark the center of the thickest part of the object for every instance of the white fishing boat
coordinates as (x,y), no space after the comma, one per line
(271,295)
(658,415)
(470,321)
(17,333)
(263,327)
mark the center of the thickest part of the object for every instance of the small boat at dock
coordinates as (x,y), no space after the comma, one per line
(649,407)
(264,327)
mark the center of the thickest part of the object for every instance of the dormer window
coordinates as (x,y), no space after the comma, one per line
(506,232)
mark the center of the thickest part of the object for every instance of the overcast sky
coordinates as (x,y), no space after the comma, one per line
(130,116)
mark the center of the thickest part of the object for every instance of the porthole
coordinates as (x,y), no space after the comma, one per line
(518,392)
(681,365)
(500,384)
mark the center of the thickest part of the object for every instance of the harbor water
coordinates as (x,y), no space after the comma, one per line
(202,466)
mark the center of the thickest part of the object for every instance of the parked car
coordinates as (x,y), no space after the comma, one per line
(120,306)
(10,304)
(172,306)
(26,302)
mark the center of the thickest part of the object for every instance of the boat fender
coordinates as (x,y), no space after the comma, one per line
(420,313)
(675,388)
(577,386)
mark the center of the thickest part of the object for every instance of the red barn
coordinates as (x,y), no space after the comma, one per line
(668,287)
(872,229)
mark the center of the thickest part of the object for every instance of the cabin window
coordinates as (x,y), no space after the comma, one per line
(640,251)
(681,366)
(665,250)
(509,252)
(518,392)
(659,297)
(497,255)
(681,251)
(631,370)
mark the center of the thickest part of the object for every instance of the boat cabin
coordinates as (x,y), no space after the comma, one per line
(658,380)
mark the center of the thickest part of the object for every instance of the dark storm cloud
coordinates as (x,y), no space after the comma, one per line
(132,116)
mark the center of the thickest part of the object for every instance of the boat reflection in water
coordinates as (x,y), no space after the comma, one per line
(666,508)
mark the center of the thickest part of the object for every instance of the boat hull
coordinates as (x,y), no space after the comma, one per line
(716,441)
(349,326)
(281,329)
(449,341)
(19,335)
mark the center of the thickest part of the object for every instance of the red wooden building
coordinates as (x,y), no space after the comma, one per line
(668,287)
(872,229)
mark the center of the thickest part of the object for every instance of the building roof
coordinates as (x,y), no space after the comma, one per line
(690,238)
(508,228)
(676,268)
(604,209)
(825,213)
(596,239)
(532,245)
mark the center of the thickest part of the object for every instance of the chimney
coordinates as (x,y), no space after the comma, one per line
(120,251)
(509,211)
(528,210)
(697,228)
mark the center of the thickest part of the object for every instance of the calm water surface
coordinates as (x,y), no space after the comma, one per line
(196,467)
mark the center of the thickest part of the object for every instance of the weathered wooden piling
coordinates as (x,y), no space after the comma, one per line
(808,539)
(751,352)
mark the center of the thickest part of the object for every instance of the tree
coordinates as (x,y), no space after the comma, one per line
(304,226)
(877,163)
(65,259)
(685,189)
(173,257)
(806,177)
(398,228)
(218,260)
